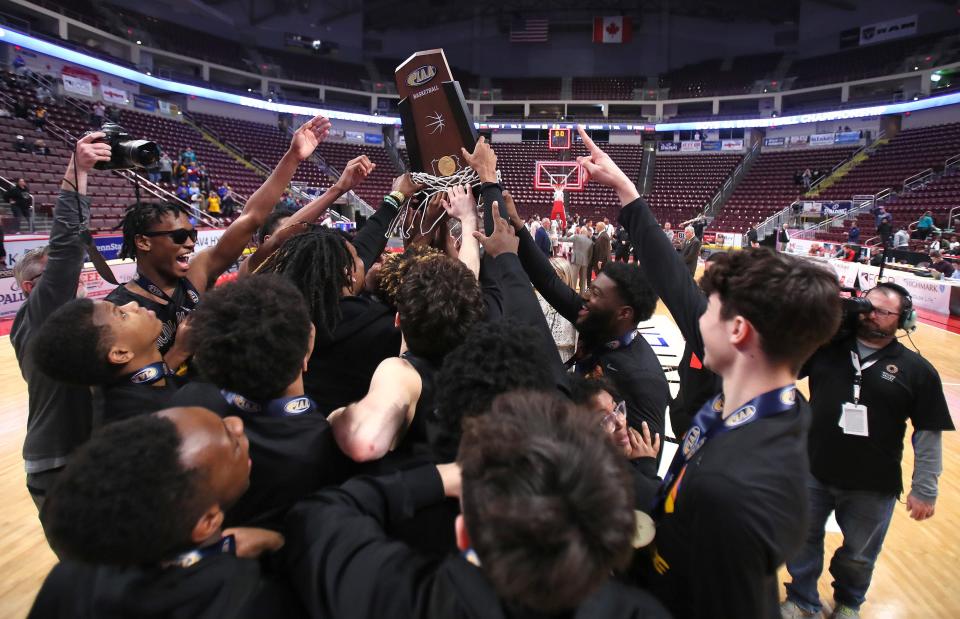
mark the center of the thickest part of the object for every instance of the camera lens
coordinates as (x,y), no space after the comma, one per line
(139,153)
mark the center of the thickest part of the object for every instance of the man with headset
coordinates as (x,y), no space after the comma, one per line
(863,388)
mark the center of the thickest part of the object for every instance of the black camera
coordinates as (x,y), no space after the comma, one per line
(853,307)
(125,152)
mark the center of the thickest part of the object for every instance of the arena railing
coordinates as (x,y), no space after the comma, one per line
(860,202)
(918,180)
(867,145)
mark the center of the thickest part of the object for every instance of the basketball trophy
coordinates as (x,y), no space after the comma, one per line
(436,124)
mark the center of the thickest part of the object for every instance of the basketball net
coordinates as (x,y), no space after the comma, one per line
(403,224)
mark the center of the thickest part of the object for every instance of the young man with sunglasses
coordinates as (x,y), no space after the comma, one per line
(161,239)
(863,388)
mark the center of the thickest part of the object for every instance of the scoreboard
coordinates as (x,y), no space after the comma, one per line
(559,139)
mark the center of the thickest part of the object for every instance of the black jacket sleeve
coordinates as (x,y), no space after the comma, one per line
(560,296)
(371,240)
(341,561)
(666,271)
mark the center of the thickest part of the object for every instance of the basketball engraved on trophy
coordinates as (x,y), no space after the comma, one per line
(436,124)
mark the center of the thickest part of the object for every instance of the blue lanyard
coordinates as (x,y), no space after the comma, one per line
(225,545)
(280,407)
(708,423)
(150,374)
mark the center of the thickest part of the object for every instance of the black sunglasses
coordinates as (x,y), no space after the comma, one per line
(178,236)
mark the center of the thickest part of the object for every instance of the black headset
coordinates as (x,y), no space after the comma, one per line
(908,316)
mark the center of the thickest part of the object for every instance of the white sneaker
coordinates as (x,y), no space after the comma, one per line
(790,610)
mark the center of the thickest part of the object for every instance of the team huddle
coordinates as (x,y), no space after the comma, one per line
(344,432)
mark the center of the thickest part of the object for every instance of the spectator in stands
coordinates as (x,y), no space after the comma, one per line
(40,117)
(58,416)
(166,169)
(203,179)
(753,238)
(192,174)
(806,178)
(213,203)
(193,189)
(954,244)
(139,514)
(153,172)
(934,242)
(925,226)
(288,203)
(40,147)
(113,114)
(853,236)
(20,108)
(20,145)
(180,173)
(937,263)
(783,238)
(187,156)
(43,94)
(21,202)
(542,238)
(98,114)
(901,240)
(183,192)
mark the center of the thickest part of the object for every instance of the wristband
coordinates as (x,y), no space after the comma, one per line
(398,196)
(488,185)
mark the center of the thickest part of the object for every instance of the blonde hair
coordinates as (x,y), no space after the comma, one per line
(563,269)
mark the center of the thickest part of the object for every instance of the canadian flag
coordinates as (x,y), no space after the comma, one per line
(612,29)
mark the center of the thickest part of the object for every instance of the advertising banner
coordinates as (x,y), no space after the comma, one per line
(373,138)
(691,146)
(710,146)
(93,286)
(929,294)
(144,102)
(796,140)
(164,106)
(774,141)
(669,147)
(114,95)
(888,30)
(822,139)
(731,145)
(847,137)
(77,85)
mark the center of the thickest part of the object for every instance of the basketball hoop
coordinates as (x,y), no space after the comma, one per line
(403,224)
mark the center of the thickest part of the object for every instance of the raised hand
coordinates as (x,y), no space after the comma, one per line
(90,151)
(460,204)
(306,139)
(503,240)
(483,160)
(600,167)
(641,446)
(405,185)
(357,170)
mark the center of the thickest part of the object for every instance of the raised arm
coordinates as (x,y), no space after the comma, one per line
(355,173)
(661,263)
(211,263)
(72,211)
(460,205)
(371,240)
(366,430)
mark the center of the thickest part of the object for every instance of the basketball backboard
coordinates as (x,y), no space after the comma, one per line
(567,174)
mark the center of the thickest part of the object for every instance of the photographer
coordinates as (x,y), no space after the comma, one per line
(864,386)
(58,417)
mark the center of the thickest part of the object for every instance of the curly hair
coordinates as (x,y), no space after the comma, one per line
(634,288)
(125,498)
(547,501)
(72,349)
(793,304)
(320,266)
(251,336)
(395,266)
(493,359)
(438,302)
(138,219)
(583,390)
(270,225)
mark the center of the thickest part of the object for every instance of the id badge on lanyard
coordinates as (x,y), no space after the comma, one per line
(853,415)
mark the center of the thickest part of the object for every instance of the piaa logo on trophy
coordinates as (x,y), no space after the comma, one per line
(419,77)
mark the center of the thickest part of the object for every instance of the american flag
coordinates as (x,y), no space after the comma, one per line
(533,30)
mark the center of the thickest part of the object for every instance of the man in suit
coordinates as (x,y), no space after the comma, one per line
(601,248)
(542,238)
(690,249)
(580,256)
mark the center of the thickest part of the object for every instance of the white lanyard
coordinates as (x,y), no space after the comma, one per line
(858,373)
